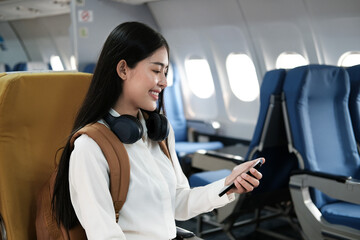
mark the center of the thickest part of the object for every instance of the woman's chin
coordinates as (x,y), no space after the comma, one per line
(150,108)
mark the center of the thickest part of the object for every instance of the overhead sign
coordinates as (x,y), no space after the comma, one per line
(85,15)
(83,32)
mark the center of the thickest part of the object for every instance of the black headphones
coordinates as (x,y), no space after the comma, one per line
(129,129)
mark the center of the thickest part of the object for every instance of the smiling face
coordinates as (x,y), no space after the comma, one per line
(143,83)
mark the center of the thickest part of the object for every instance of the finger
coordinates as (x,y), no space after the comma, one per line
(246,185)
(252,180)
(236,172)
(256,173)
(239,188)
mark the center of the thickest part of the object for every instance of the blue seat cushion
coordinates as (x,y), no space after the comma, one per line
(342,213)
(183,148)
(206,177)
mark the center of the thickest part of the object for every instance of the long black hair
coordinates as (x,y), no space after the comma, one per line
(133,42)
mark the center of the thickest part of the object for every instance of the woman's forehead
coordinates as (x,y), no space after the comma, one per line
(159,57)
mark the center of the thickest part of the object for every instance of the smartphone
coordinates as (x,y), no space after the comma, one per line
(256,165)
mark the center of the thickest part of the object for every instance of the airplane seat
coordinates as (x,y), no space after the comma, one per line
(354,100)
(269,138)
(37,113)
(270,86)
(206,177)
(175,114)
(4,67)
(326,191)
(32,66)
(89,68)
(268,141)
(19,66)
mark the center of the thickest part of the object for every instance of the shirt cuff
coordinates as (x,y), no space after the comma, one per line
(217,201)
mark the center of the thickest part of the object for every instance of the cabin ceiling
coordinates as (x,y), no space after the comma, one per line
(135,2)
(24,9)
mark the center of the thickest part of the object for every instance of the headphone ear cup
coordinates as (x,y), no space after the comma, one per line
(158,127)
(126,127)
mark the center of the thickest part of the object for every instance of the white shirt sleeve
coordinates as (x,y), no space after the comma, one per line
(192,202)
(89,191)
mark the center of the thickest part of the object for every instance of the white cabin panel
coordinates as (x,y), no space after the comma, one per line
(90,35)
(238,115)
(336,26)
(279,26)
(181,49)
(13,51)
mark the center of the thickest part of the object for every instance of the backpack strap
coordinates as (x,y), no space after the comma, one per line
(117,158)
(164,147)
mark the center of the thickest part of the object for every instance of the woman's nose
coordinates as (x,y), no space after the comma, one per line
(163,81)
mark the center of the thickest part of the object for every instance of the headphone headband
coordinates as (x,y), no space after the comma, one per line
(129,129)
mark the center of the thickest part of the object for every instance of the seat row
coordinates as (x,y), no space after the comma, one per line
(304,124)
(25,66)
(308,131)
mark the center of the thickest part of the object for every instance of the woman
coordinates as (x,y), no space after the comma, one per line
(130,76)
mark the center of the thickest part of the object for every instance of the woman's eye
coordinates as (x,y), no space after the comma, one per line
(156,71)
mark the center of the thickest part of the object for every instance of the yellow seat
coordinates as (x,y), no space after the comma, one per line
(37,111)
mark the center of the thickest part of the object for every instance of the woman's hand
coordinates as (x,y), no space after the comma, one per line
(244,182)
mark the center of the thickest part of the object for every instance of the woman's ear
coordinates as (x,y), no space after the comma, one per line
(121,69)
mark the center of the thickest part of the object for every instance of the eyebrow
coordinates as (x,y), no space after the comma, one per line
(159,63)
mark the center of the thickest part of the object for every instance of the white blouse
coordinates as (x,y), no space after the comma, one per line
(158,193)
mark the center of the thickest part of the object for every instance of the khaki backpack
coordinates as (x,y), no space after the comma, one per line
(118,161)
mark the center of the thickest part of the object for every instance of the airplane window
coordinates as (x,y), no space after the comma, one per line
(73,62)
(56,64)
(170,76)
(199,77)
(288,60)
(349,59)
(242,77)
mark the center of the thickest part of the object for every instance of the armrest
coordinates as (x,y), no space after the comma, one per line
(338,178)
(223,156)
(339,187)
(211,160)
(204,127)
(182,233)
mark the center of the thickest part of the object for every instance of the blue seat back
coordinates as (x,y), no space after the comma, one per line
(317,106)
(21,66)
(269,139)
(354,99)
(89,68)
(271,85)
(174,108)
(31,66)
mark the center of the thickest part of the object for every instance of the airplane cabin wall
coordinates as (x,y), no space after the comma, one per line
(320,30)
(36,40)
(335,27)
(200,28)
(106,15)
(13,51)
